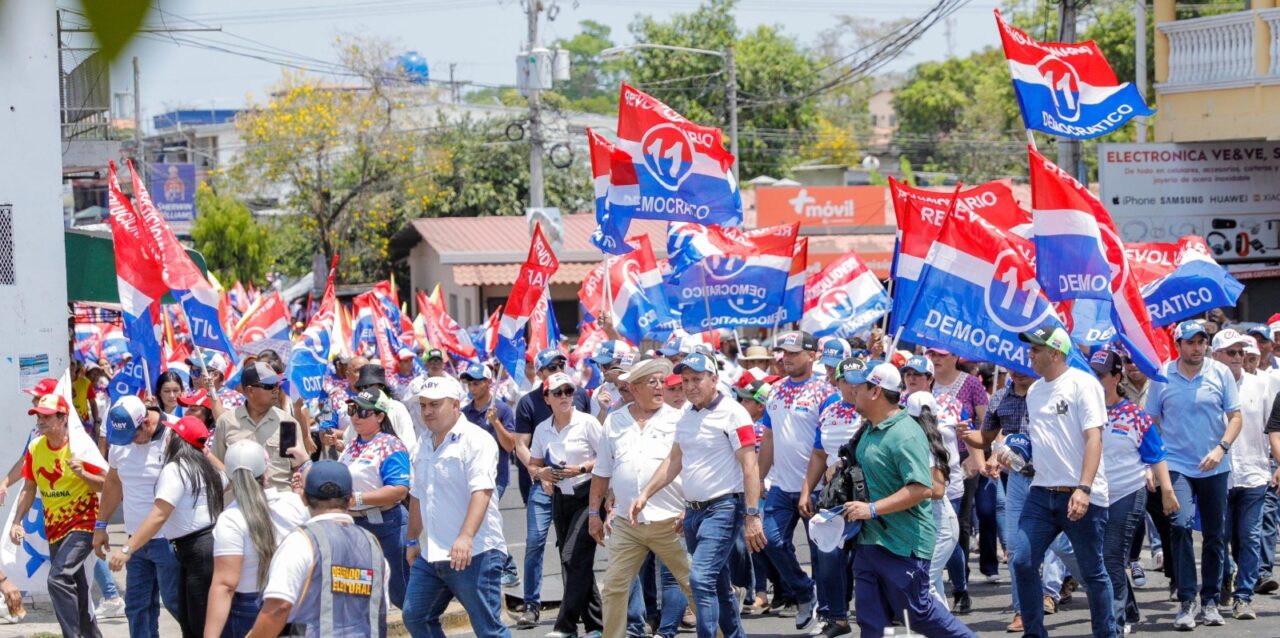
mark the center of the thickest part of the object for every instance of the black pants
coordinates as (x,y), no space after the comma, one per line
(581,602)
(195,573)
(1155,507)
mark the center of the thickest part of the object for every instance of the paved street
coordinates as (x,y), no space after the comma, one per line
(990,603)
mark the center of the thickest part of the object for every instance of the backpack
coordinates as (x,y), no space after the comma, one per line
(849,483)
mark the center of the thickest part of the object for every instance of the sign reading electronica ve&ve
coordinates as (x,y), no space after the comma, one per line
(1227,192)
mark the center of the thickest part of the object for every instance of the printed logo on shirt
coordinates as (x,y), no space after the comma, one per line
(351,581)
(1060,408)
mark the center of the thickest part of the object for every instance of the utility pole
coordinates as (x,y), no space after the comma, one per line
(536,196)
(731,62)
(137,119)
(1140,61)
(1069,150)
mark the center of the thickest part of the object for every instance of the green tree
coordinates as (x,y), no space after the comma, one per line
(775,80)
(234,244)
(593,81)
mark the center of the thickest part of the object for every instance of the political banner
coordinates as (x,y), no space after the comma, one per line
(844,299)
(175,188)
(1181,280)
(739,288)
(533,279)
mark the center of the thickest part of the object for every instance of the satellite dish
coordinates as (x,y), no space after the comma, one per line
(871,163)
(415,67)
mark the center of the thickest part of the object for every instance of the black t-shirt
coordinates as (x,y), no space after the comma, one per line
(1273,421)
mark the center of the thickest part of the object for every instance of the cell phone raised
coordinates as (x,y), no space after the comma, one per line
(288,437)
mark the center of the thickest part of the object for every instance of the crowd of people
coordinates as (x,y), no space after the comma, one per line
(693,465)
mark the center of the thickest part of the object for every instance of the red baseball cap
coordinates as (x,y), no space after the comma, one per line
(43,387)
(51,404)
(192,430)
(674,380)
(198,397)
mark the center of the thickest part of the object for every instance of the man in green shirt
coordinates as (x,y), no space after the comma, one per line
(891,565)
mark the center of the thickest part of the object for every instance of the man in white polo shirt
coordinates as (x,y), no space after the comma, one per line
(462,551)
(714,456)
(636,439)
(1067,412)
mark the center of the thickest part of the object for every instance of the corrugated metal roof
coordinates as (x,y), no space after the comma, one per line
(505,274)
(506,239)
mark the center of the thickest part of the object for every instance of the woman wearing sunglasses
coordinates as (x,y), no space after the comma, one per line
(379,464)
(562,453)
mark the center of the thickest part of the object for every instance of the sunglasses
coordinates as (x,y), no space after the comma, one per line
(554,367)
(1233,353)
(561,392)
(357,411)
(265,386)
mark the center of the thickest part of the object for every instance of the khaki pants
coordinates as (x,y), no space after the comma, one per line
(628,546)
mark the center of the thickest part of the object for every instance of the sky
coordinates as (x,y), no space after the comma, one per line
(481,37)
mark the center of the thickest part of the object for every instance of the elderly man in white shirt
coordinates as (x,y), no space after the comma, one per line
(461,552)
(636,439)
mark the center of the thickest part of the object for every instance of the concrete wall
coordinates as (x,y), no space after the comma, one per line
(1221,114)
(33,313)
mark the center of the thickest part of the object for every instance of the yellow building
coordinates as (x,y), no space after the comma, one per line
(1218,77)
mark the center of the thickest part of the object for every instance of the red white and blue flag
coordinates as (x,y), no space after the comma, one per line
(791,309)
(544,330)
(616,195)
(267,318)
(1181,280)
(1067,89)
(844,299)
(637,301)
(727,278)
(682,170)
(976,293)
(140,284)
(534,277)
(1081,257)
(443,331)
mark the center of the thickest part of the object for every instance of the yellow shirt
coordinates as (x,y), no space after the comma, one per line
(70,504)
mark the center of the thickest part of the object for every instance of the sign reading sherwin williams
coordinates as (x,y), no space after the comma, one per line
(174,188)
(823,206)
(1226,192)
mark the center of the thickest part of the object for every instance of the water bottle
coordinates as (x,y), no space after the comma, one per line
(1014,458)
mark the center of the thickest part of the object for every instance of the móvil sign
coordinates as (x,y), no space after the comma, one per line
(823,205)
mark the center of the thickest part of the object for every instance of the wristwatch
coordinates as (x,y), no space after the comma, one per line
(1085,488)
(1226,447)
(124,549)
(753,511)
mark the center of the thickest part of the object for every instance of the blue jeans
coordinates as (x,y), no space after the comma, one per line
(478,588)
(709,534)
(102,576)
(537,525)
(889,585)
(958,564)
(1044,517)
(390,533)
(1211,497)
(673,603)
(1123,517)
(1270,532)
(781,514)
(990,504)
(244,611)
(151,575)
(1244,533)
(834,573)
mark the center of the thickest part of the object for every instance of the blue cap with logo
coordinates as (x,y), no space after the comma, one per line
(834,351)
(477,371)
(919,363)
(609,352)
(698,362)
(124,418)
(1020,443)
(546,357)
(1189,329)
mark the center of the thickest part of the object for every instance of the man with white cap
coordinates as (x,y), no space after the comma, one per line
(635,441)
(715,458)
(461,552)
(261,419)
(613,357)
(896,541)
(1250,474)
(137,439)
(1198,409)
(1067,411)
(791,422)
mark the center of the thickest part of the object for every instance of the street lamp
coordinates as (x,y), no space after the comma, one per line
(731,66)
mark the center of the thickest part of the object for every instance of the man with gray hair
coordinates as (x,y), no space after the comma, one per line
(636,438)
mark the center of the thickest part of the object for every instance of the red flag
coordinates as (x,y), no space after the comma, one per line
(443,331)
(491,331)
(268,318)
(590,338)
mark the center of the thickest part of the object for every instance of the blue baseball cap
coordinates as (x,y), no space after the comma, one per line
(477,371)
(1189,329)
(1021,443)
(546,357)
(834,351)
(124,419)
(673,346)
(853,370)
(609,352)
(919,363)
(1260,331)
(328,480)
(698,362)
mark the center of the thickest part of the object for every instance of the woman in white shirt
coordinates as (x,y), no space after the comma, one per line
(562,453)
(244,540)
(188,500)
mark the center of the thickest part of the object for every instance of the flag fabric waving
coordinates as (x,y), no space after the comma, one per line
(138,277)
(844,299)
(1067,89)
(534,276)
(791,309)
(637,300)
(1181,280)
(1080,256)
(682,170)
(723,289)
(544,331)
(612,189)
(442,331)
(976,293)
(268,318)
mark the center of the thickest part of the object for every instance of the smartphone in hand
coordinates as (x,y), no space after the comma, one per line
(288,437)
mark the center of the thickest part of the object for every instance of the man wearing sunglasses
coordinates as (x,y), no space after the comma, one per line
(259,419)
(530,411)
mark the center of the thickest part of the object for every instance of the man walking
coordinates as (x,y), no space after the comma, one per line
(496,418)
(1067,411)
(715,458)
(1198,408)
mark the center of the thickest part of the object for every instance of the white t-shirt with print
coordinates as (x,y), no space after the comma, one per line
(1059,413)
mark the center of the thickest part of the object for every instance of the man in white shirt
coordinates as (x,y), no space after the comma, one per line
(715,458)
(1067,412)
(636,439)
(461,552)
(1250,473)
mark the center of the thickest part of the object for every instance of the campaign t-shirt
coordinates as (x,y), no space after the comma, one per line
(1129,445)
(138,467)
(70,504)
(791,413)
(377,462)
(709,441)
(1060,411)
(837,425)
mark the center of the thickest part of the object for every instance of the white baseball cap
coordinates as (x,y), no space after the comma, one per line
(437,388)
(918,401)
(1228,337)
(249,455)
